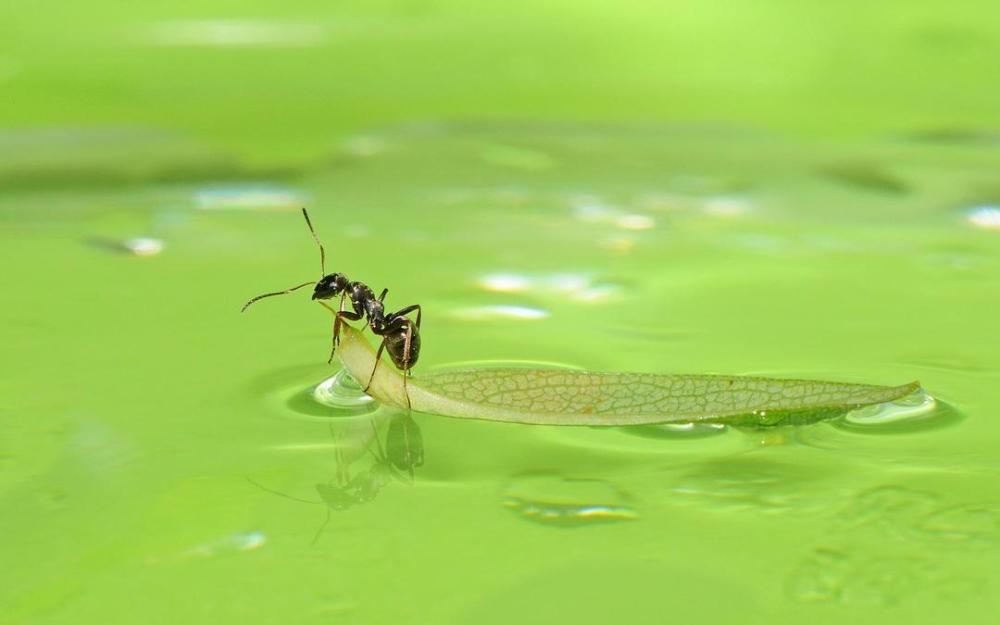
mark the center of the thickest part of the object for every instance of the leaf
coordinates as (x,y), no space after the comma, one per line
(559,397)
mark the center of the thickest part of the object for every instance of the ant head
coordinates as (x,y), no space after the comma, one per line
(330,285)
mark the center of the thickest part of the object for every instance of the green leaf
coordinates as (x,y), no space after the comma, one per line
(561,397)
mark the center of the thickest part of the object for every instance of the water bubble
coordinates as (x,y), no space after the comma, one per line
(143,246)
(917,405)
(505,282)
(916,412)
(565,502)
(635,221)
(752,484)
(499,311)
(561,286)
(986,216)
(677,430)
(249,197)
(567,282)
(137,246)
(233,543)
(342,391)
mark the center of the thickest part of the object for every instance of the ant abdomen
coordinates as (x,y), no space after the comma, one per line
(403,346)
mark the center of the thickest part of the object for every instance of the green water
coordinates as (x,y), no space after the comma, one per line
(142,401)
(805,215)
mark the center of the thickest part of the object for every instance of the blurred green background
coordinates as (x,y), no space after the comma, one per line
(273,82)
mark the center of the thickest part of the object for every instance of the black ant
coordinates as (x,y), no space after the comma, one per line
(400,336)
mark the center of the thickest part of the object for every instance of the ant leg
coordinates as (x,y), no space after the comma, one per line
(410,309)
(319,532)
(406,391)
(406,362)
(336,330)
(337,325)
(378,358)
(340,316)
(380,456)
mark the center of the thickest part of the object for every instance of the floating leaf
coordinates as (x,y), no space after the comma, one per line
(561,397)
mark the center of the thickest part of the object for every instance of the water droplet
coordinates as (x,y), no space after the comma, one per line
(500,311)
(342,391)
(634,221)
(505,282)
(918,405)
(986,216)
(137,246)
(143,246)
(565,502)
(751,484)
(678,430)
(598,294)
(233,543)
(249,197)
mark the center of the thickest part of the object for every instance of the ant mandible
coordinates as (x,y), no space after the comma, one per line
(400,335)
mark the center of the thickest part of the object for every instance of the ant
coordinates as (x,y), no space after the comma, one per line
(400,335)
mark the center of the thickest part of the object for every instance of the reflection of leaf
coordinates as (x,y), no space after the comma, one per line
(560,397)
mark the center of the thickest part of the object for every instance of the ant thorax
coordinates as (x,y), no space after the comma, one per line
(375,311)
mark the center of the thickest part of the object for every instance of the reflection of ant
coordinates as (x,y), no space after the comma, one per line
(404,451)
(400,335)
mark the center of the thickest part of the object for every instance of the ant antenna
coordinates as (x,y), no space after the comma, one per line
(322,252)
(285,292)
